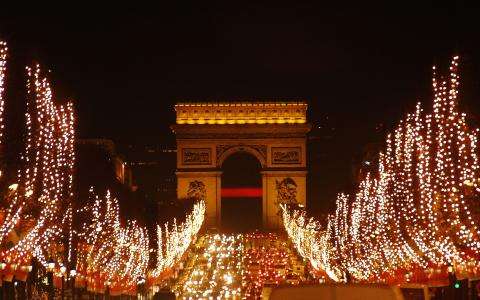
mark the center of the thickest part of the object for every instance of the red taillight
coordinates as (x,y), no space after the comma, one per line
(247,192)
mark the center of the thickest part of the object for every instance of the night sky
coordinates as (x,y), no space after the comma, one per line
(359,65)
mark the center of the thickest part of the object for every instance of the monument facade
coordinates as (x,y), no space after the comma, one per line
(273,132)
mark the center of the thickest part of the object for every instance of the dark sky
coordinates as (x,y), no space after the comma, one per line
(360,65)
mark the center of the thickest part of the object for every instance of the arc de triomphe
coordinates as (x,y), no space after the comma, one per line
(273,132)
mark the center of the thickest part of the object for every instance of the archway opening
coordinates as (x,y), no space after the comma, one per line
(241,193)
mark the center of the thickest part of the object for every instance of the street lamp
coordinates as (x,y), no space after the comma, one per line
(450,269)
(50,268)
(62,271)
(3,266)
(141,285)
(73,273)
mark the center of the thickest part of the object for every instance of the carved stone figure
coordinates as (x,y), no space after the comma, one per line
(197,190)
(286,191)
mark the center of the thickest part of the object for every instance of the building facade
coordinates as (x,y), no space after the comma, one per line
(273,132)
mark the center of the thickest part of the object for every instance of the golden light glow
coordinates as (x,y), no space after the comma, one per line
(174,241)
(3,69)
(40,208)
(413,219)
(242,113)
(109,254)
(44,184)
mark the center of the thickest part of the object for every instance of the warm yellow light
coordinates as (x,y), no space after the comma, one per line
(241,113)
(51,266)
(414,212)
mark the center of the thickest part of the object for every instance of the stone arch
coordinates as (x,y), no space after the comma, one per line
(241,148)
(273,133)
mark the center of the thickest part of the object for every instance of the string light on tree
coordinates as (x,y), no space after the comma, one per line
(107,253)
(37,204)
(3,70)
(415,214)
(173,242)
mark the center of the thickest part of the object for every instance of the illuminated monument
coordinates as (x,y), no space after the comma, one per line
(274,133)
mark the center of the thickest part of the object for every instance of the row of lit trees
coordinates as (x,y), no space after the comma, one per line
(309,239)
(109,255)
(414,220)
(3,68)
(174,240)
(37,210)
(38,217)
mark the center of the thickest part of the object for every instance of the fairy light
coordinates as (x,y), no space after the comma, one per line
(172,244)
(3,69)
(107,253)
(308,238)
(45,181)
(413,215)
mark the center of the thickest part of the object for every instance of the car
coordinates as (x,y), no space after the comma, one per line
(336,291)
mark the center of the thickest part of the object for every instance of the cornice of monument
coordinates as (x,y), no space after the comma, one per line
(240,130)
